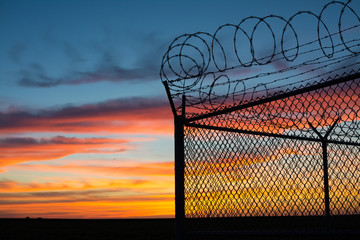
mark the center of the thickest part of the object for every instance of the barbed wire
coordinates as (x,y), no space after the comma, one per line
(214,75)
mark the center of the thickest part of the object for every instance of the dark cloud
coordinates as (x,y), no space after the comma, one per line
(68,196)
(108,70)
(122,106)
(68,193)
(88,116)
(17,141)
(112,64)
(58,140)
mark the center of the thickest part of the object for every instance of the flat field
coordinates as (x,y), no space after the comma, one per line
(250,228)
(74,229)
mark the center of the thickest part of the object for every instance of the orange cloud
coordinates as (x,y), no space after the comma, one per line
(132,115)
(15,150)
(88,198)
(78,184)
(156,206)
(135,169)
(84,187)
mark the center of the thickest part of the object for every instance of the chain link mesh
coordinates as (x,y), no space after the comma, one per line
(267,160)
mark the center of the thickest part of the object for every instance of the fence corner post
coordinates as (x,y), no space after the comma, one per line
(179,175)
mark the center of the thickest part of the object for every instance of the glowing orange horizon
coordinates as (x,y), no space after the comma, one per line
(123,190)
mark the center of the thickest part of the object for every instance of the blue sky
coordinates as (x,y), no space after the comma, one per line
(68,39)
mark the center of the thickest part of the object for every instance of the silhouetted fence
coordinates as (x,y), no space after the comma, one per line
(268,144)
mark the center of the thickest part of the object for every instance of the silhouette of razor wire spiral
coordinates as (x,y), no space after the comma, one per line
(213,75)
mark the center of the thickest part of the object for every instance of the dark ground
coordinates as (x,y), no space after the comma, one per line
(66,229)
(161,229)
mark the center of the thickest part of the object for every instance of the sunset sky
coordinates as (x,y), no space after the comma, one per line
(86,130)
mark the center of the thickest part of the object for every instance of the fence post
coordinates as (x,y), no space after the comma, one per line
(179,175)
(326,183)
(324,143)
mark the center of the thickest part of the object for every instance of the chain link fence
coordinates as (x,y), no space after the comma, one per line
(268,161)
(267,133)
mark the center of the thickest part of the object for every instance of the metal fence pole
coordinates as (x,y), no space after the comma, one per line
(179,176)
(324,142)
(326,188)
(326,179)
